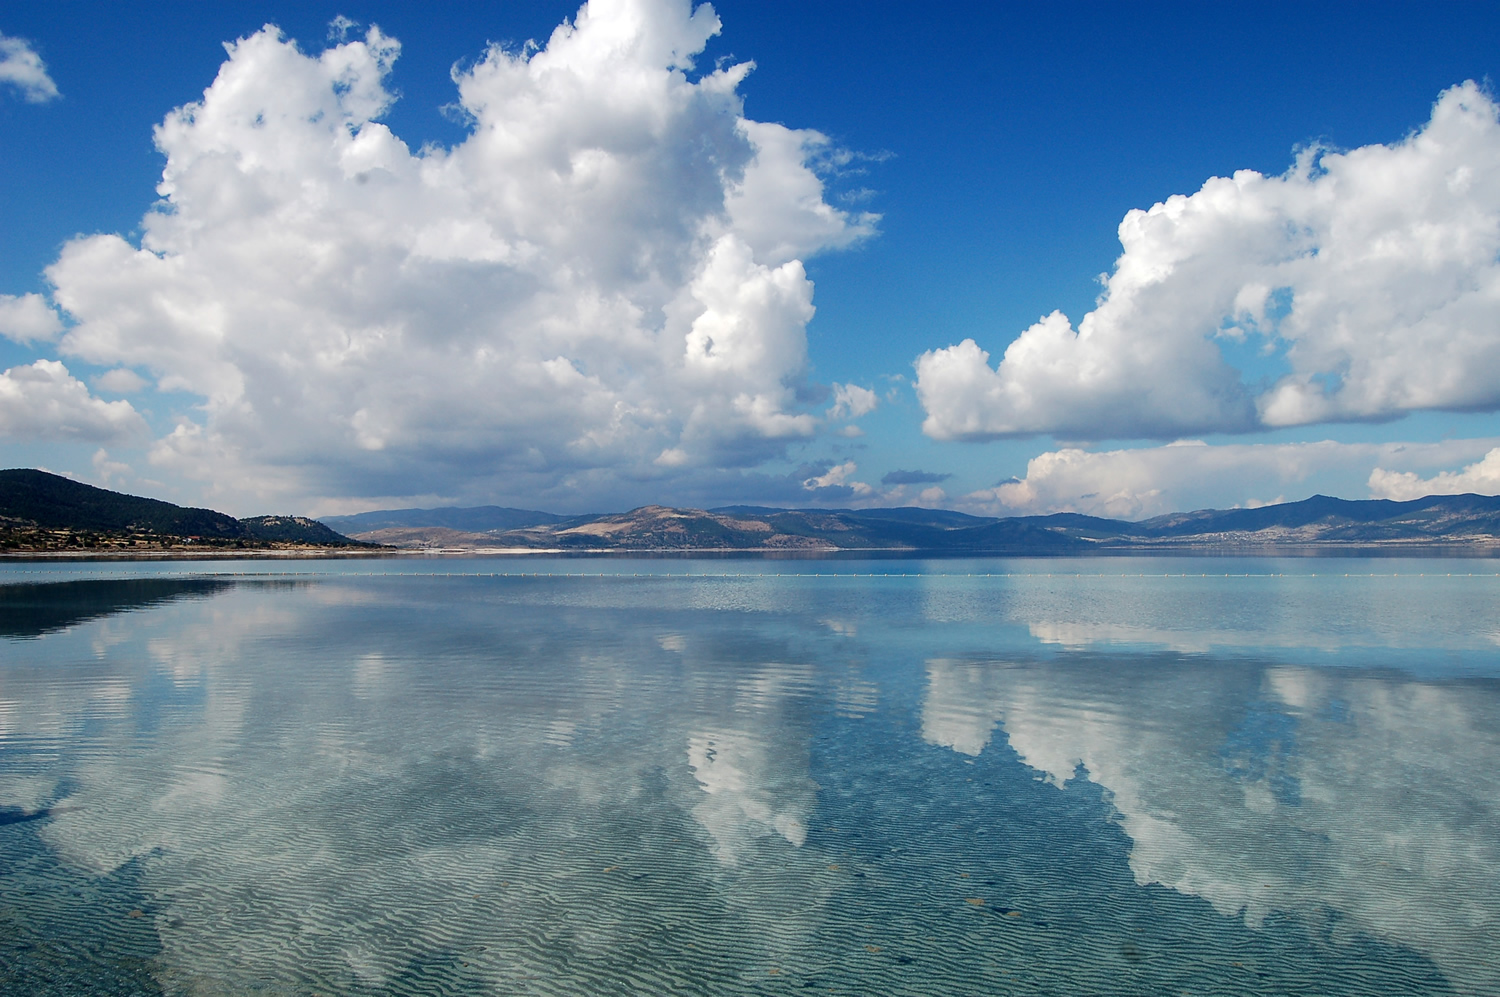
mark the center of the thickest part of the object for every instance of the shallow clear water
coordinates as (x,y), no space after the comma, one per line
(1115,776)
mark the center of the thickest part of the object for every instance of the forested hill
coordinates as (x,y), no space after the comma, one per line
(42,511)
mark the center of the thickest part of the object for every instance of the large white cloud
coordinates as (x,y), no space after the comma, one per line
(42,401)
(1482,476)
(23,69)
(27,318)
(602,281)
(1189,474)
(1373,273)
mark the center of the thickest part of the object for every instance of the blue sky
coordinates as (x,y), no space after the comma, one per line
(1000,148)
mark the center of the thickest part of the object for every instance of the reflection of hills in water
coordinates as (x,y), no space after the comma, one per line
(33,610)
(1359,801)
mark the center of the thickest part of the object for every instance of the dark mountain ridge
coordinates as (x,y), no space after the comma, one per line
(50,501)
(1319,509)
(42,511)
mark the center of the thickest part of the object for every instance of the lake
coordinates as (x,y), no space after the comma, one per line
(1151,776)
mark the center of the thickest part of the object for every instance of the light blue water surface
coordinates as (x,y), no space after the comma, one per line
(563,776)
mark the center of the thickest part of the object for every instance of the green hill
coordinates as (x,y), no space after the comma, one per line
(42,511)
(51,501)
(295,530)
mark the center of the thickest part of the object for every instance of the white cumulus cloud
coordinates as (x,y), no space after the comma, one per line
(1372,275)
(23,69)
(1481,477)
(840,476)
(850,401)
(42,401)
(603,281)
(121,380)
(28,318)
(1150,481)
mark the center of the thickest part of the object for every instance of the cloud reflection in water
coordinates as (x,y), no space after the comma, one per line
(478,784)
(1262,788)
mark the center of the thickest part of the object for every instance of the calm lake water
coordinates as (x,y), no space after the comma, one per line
(1142,776)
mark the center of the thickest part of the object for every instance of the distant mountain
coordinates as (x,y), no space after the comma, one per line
(904,514)
(1469,521)
(655,527)
(1332,518)
(479,519)
(41,511)
(430,538)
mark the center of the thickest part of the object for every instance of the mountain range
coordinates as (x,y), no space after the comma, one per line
(41,512)
(1470,522)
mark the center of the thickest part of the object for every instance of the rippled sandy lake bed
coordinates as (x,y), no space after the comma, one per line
(1104,776)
